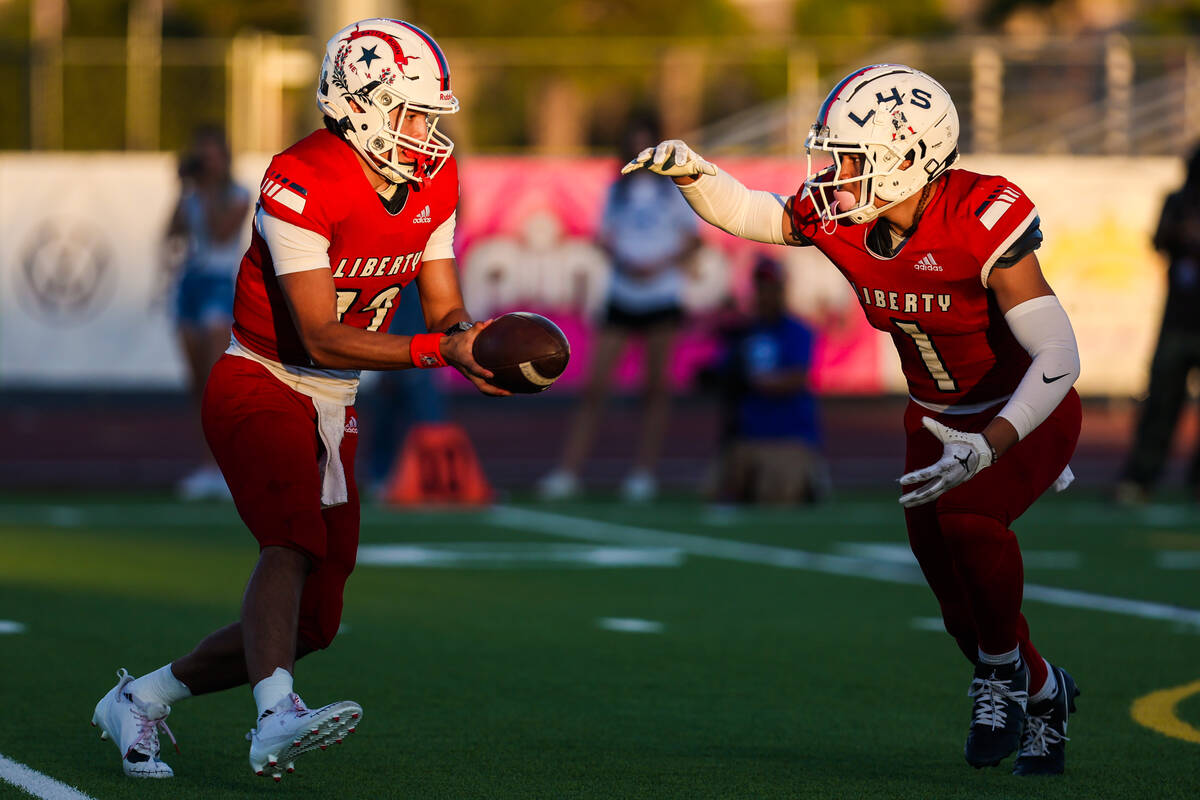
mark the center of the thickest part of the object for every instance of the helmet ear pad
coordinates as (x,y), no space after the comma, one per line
(893,180)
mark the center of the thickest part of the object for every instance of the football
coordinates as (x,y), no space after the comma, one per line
(526,352)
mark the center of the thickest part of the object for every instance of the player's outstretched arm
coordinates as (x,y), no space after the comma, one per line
(716,196)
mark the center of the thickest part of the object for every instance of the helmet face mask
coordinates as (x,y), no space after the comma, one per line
(887,114)
(376,74)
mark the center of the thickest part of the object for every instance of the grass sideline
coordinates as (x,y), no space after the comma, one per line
(498,681)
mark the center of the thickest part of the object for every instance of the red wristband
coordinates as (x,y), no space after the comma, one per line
(426,350)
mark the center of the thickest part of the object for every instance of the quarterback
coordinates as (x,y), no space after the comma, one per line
(346,219)
(943,261)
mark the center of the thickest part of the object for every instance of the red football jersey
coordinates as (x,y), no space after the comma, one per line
(318,184)
(955,347)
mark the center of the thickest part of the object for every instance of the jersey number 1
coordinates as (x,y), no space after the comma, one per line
(929,354)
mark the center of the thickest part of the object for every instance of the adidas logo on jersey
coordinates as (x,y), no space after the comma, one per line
(927,264)
(352,425)
(423,216)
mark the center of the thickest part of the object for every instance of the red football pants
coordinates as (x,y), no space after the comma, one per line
(963,540)
(263,435)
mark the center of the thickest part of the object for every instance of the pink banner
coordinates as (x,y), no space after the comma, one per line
(525,241)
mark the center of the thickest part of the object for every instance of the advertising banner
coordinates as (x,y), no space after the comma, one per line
(86,303)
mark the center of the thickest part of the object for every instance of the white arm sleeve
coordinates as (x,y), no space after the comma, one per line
(1042,328)
(441,241)
(723,201)
(293,249)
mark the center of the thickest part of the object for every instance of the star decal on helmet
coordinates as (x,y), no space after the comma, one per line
(369,55)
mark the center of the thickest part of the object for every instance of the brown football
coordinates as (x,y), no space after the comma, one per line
(526,352)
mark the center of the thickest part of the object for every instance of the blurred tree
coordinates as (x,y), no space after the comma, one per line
(462,18)
(228,17)
(995,12)
(871,18)
(1172,18)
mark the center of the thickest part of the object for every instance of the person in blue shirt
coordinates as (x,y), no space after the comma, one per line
(772,438)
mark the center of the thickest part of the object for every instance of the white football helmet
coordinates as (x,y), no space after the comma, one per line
(370,68)
(886,113)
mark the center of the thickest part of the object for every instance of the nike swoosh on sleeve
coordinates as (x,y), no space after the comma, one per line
(1055,378)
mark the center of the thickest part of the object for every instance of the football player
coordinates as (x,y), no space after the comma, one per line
(943,261)
(347,218)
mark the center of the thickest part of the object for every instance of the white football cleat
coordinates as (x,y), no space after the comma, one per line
(203,483)
(290,729)
(133,725)
(558,485)
(639,486)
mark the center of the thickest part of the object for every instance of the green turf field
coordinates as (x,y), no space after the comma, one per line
(575,650)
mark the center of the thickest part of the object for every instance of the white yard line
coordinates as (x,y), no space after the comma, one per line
(515,555)
(37,784)
(865,514)
(1177,559)
(901,554)
(599,531)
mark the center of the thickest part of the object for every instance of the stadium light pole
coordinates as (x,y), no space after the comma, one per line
(46,20)
(987,97)
(143,75)
(1191,99)
(803,92)
(1118,94)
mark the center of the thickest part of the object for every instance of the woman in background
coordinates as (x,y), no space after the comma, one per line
(650,235)
(207,230)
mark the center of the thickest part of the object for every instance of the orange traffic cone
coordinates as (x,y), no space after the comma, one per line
(437,466)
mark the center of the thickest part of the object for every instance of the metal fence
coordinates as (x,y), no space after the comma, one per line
(1103,95)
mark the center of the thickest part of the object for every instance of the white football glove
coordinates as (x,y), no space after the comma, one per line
(672,158)
(963,456)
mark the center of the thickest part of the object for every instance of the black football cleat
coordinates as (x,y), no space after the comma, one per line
(1001,693)
(1044,743)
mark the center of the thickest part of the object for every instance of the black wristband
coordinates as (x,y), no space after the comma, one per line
(458,327)
(990,447)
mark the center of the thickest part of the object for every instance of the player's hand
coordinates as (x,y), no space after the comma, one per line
(963,456)
(458,350)
(672,158)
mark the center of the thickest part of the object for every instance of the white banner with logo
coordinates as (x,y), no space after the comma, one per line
(85,303)
(84,298)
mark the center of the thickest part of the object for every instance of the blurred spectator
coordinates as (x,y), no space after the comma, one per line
(770,439)
(1178,349)
(397,400)
(650,236)
(206,235)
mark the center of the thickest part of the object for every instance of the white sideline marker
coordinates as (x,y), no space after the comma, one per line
(37,784)
(11,626)
(787,558)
